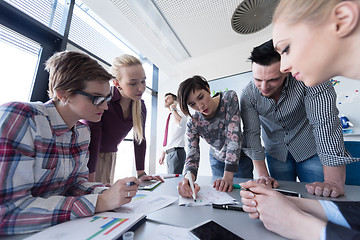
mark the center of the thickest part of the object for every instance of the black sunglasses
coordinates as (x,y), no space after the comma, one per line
(96,100)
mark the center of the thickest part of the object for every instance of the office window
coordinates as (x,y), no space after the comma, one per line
(18,62)
(92,33)
(52,14)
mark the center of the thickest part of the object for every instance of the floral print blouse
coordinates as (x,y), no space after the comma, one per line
(222,132)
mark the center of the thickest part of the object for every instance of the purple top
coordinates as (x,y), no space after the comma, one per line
(111,130)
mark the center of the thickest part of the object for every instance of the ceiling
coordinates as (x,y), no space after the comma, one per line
(203,27)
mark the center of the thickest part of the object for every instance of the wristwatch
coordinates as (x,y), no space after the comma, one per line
(141,174)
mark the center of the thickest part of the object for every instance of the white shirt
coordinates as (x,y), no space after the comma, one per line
(176,132)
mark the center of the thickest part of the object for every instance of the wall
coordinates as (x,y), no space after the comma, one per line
(348,98)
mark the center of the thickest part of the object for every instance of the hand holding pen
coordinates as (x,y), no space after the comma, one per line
(185,189)
(120,193)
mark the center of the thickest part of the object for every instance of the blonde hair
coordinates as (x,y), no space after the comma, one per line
(69,71)
(120,62)
(311,11)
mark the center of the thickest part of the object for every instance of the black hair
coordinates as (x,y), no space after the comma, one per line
(171,94)
(190,85)
(265,54)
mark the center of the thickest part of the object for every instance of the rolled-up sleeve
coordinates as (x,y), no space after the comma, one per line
(251,128)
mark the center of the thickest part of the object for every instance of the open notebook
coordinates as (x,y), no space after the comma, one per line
(106,225)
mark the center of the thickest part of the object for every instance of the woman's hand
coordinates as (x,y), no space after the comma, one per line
(268,181)
(185,189)
(150,177)
(117,195)
(224,184)
(278,213)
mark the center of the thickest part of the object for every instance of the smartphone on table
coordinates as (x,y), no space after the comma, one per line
(211,230)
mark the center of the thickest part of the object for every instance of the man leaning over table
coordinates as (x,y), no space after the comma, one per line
(299,125)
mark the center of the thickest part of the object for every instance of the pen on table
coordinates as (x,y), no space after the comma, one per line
(227,207)
(171,176)
(191,183)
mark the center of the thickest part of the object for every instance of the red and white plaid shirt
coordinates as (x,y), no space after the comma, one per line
(43,169)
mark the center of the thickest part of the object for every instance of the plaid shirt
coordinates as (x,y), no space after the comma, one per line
(43,172)
(304,121)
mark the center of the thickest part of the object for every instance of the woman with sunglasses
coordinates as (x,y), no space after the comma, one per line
(43,150)
(317,40)
(126,111)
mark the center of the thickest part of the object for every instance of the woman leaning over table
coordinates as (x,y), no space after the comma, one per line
(217,121)
(317,40)
(126,111)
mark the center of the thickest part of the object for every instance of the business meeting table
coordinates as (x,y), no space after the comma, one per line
(236,221)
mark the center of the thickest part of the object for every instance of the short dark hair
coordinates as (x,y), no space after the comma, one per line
(191,84)
(265,54)
(171,94)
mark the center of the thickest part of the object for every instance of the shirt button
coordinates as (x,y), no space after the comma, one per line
(286,133)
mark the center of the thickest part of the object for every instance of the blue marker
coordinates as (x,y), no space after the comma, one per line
(130,184)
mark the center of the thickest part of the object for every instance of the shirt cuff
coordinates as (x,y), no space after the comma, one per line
(333,214)
(323,234)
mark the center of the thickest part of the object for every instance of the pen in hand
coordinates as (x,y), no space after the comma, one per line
(191,183)
(130,184)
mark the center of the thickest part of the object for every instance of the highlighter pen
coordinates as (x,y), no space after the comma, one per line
(191,183)
(237,186)
(171,176)
(227,207)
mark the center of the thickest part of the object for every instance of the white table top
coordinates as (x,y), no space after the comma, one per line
(235,221)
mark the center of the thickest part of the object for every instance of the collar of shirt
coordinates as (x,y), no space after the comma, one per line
(58,125)
(116,95)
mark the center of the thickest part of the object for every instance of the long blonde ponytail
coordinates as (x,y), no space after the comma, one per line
(126,60)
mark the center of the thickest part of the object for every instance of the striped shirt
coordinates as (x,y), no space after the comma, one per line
(43,172)
(304,121)
(222,132)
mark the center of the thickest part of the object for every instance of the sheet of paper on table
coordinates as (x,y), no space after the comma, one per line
(166,232)
(145,202)
(206,196)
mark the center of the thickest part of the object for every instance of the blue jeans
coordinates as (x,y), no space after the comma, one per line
(245,167)
(309,170)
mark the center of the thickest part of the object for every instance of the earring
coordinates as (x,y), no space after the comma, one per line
(120,88)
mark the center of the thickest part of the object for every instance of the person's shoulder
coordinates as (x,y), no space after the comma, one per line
(21,108)
(230,95)
(249,88)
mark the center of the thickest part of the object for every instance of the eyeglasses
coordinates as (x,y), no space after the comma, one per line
(96,100)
